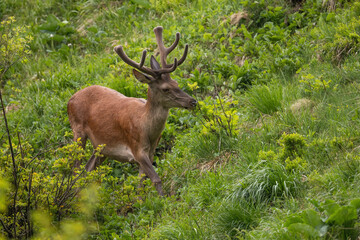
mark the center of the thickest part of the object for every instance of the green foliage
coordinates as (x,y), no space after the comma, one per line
(3,189)
(14,45)
(345,38)
(56,32)
(218,123)
(250,171)
(313,84)
(292,145)
(219,116)
(36,181)
(331,220)
(68,229)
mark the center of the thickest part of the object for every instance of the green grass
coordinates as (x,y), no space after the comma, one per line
(280,78)
(266,100)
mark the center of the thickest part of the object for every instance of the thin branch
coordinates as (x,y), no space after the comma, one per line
(28,223)
(16,186)
(10,235)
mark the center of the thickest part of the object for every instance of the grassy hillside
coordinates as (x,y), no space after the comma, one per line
(271,152)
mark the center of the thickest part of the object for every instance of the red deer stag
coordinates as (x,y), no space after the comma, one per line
(130,127)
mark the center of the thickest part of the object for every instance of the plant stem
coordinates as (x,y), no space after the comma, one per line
(13,160)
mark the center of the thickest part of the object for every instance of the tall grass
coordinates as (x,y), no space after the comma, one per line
(266,99)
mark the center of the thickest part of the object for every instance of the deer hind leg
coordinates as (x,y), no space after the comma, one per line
(83,137)
(93,162)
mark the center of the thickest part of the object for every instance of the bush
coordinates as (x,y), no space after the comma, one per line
(52,185)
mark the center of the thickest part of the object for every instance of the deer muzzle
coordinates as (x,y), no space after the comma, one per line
(192,104)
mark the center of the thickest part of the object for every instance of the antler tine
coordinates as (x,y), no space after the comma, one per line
(173,46)
(142,61)
(159,39)
(169,70)
(182,59)
(140,66)
(164,52)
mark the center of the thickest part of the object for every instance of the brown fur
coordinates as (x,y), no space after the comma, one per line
(108,117)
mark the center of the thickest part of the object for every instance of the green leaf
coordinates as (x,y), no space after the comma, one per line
(323,230)
(312,218)
(330,17)
(304,229)
(343,215)
(245,32)
(51,25)
(355,203)
(293,219)
(330,206)
(142,3)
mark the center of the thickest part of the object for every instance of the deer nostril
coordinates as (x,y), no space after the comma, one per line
(193,103)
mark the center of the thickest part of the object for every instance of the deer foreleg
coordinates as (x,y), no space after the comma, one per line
(147,168)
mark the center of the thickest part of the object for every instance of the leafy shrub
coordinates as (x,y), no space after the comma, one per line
(219,117)
(338,40)
(14,45)
(317,84)
(199,80)
(292,151)
(219,128)
(240,77)
(291,154)
(50,185)
(292,145)
(262,12)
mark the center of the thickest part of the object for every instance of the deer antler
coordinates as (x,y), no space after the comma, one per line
(140,66)
(164,52)
(153,72)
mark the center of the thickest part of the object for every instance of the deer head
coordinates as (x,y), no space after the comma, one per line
(163,90)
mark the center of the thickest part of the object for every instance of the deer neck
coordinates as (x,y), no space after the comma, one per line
(155,116)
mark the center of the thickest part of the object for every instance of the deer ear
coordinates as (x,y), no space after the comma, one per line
(154,64)
(142,77)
